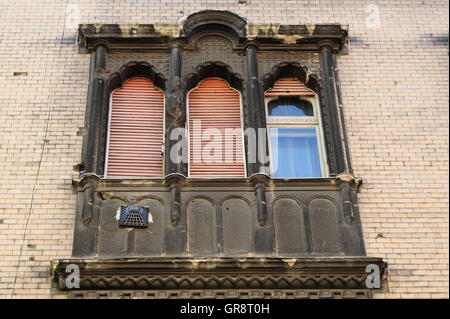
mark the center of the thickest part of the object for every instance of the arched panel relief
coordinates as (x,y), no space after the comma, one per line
(112,240)
(323,217)
(149,241)
(236,226)
(289,227)
(200,226)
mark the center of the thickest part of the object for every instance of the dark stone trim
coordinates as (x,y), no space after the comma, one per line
(260,182)
(161,36)
(341,113)
(82,165)
(175,110)
(266,274)
(136,69)
(221,294)
(94,191)
(256,117)
(175,181)
(212,69)
(288,70)
(224,21)
(352,241)
(94,110)
(87,214)
(333,117)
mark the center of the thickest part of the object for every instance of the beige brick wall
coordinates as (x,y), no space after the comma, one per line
(395,93)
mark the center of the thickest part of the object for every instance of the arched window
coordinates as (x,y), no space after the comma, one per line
(295,133)
(215,130)
(136,130)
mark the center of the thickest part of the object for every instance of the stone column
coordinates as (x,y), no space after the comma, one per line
(94,111)
(337,154)
(175,113)
(255,113)
(174,170)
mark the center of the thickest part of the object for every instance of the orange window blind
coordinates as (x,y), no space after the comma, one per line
(289,87)
(136,130)
(215,106)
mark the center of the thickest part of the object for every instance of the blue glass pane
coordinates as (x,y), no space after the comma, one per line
(287,110)
(290,107)
(294,152)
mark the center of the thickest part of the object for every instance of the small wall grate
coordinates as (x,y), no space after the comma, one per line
(133,216)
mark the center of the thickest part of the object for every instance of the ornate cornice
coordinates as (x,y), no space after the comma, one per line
(161,36)
(265,274)
(222,294)
(132,184)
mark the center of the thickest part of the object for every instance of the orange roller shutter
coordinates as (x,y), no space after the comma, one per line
(218,107)
(289,87)
(136,130)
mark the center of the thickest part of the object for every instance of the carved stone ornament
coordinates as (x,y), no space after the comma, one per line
(266,275)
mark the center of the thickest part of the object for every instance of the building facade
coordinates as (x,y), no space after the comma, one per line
(340,160)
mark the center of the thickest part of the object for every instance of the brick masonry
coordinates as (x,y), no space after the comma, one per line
(395,94)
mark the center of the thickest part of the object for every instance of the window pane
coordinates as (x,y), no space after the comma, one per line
(290,107)
(294,152)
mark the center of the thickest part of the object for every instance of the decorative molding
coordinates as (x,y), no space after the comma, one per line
(161,36)
(221,294)
(289,70)
(264,274)
(225,21)
(213,69)
(292,120)
(107,184)
(135,69)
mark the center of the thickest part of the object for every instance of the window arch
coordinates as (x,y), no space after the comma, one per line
(135,130)
(215,130)
(295,132)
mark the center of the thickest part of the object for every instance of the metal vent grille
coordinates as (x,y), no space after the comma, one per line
(133,216)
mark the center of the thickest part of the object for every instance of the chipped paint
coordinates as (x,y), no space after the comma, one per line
(290,262)
(168,30)
(118,213)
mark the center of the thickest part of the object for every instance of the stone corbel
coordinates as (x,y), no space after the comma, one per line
(87,184)
(174,181)
(349,186)
(260,182)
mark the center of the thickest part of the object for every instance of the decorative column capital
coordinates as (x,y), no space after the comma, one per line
(330,45)
(176,44)
(251,45)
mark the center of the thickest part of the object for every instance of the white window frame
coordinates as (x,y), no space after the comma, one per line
(299,122)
